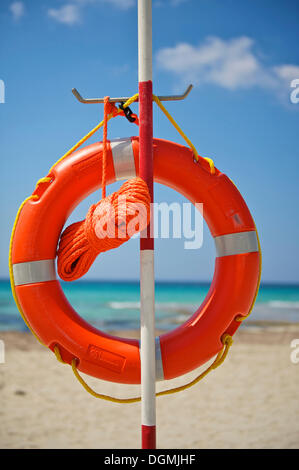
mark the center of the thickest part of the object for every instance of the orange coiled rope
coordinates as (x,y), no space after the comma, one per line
(108,224)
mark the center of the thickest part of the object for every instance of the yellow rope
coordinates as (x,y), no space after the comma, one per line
(126,104)
(131,100)
(227,342)
(58,355)
(93,131)
(45,179)
(195,153)
(34,197)
(220,358)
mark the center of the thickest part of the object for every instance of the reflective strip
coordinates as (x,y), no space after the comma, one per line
(34,271)
(123,159)
(159,363)
(236,243)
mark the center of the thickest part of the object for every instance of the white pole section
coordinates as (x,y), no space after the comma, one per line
(145,60)
(147,279)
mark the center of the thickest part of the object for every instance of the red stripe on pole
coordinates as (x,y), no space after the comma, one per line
(146,149)
(148,437)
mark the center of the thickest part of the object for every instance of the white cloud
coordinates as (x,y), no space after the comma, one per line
(228,63)
(126,4)
(17,9)
(67,14)
(287,72)
(71,13)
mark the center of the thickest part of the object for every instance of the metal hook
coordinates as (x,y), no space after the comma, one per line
(124,99)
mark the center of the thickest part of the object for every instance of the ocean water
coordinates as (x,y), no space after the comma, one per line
(115,305)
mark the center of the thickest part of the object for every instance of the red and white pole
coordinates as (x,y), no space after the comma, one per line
(147,278)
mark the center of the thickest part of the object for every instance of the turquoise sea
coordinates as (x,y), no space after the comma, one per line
(115,305)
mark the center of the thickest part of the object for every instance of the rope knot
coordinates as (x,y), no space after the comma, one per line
(111,109)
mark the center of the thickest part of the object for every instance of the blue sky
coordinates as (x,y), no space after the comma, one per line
(241,56)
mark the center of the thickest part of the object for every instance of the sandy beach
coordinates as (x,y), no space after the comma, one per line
(251,401)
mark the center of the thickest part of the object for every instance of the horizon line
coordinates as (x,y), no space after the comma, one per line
(163,281)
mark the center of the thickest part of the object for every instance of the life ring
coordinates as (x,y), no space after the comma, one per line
(55,322)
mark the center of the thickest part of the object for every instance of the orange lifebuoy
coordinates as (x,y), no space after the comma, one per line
(55,322)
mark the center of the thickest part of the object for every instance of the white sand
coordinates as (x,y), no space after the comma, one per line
(251,401)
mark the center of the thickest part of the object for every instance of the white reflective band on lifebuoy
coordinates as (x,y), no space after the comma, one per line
(123,158)
(236,243)
(34,271)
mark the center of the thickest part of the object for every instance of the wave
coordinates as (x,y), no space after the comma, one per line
(165,306)
(12,322)
(123,305)
(283,304)
(181,307)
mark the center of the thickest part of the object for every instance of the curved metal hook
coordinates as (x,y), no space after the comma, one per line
(119,100)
